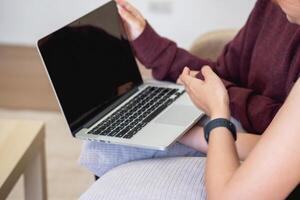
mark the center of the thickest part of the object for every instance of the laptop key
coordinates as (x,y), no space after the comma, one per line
(156,112)
(123,132)
(136,114)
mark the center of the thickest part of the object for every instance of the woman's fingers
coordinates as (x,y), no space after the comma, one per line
(209,95)
(184,72)
(128,17)
(208,73)
(192,73)
(185,76)
(134,22)
(179,81)
(128,7)
(192,85)
(188,79)
(195,99)
(133,10)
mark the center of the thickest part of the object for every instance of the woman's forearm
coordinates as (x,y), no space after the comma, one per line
(195,139)
(271,171)
(245,143)
(222,161)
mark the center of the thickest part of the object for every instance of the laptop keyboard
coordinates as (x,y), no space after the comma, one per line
(137,113)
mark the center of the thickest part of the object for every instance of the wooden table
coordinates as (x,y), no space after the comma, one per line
(22,151)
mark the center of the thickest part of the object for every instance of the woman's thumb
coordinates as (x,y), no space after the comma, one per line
(207,71)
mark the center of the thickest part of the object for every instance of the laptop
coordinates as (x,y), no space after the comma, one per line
(100,90)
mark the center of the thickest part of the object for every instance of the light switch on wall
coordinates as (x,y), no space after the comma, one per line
(160,7)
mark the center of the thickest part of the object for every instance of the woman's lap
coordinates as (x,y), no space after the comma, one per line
(101,157)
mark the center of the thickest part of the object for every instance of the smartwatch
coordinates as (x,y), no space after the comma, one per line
(219,122)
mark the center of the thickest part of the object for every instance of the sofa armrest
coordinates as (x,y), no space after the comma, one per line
(210,45)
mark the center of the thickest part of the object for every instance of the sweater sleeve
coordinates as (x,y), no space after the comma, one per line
(163,56)
(254,111)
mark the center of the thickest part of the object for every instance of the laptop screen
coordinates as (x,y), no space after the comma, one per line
(91,64)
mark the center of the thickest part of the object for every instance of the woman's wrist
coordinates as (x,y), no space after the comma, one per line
(139,30)
(219,122)
(143,29)
(221,113)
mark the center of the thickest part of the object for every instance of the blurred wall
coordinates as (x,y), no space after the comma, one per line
(23,22)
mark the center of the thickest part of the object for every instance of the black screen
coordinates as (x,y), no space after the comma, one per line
(90,64)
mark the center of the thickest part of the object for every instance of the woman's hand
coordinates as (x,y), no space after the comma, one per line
(192,73)
(209,94)
(133,20)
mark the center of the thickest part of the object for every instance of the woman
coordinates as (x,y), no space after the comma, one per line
(259,68)
(271,171)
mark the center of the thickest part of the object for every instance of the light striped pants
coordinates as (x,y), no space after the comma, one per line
(100,157)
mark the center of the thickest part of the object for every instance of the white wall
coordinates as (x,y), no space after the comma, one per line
(24,21)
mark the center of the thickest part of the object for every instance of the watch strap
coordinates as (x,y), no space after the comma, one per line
(219,122)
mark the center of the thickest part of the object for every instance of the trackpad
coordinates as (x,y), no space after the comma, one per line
(179,115)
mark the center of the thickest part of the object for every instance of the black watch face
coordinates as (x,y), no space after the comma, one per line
(219,123)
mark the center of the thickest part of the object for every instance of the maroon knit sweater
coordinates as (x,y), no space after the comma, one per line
(259,66)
